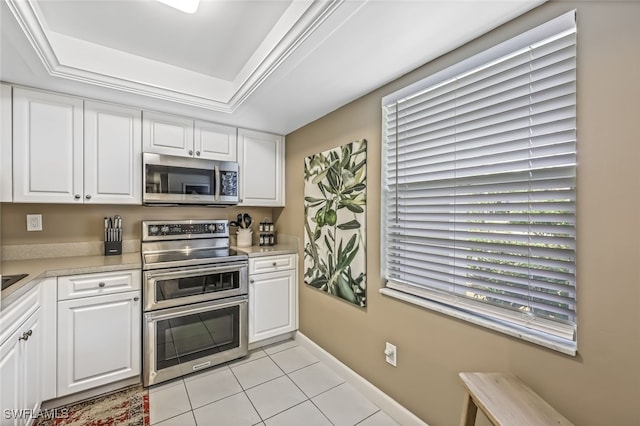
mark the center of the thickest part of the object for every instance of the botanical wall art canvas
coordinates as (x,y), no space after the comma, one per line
(335,212)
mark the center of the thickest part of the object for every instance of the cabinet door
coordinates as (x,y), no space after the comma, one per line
(10,372)
(6,167)
(47,147)
(215,141)
(167,134)
(261,162)
(272,304)
(112,154)
(21,370)
(31,357)
(98,341)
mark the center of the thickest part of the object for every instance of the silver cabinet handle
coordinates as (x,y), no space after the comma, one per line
(190,152)
(135,299)
(25,335)
(77,196)
(101,284)
(198,153)
(88,196)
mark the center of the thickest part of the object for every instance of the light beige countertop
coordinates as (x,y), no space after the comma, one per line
(39,269)
(257,251)
(287,244)
(29,260)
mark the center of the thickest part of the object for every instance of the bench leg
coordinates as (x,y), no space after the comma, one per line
(469,411)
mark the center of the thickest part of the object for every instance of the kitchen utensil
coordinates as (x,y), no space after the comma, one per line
(247,220)
(239,220)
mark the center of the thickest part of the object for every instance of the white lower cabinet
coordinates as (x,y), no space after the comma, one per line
(99,337)
(273,296)
(21,365)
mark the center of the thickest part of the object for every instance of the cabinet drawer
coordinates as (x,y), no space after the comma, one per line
(259,265)
(75,286)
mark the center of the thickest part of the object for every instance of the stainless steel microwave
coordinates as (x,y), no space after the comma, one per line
(172,180)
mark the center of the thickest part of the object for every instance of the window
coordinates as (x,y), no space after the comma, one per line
(478,188)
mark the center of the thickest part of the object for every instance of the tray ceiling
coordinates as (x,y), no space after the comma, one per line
(263,64)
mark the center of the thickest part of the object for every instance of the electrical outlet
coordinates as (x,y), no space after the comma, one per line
(391,354)
(34,222)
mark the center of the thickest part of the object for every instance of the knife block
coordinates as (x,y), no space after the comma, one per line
(112,248)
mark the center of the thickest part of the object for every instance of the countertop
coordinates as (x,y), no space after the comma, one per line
(41,268)
(258,251)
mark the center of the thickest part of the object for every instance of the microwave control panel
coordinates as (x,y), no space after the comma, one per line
(185,229)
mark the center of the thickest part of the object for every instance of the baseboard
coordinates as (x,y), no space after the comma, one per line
(375,395)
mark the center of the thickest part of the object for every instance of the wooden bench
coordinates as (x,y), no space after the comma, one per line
(506,401)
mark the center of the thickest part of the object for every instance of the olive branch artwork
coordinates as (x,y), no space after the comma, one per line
(335,213)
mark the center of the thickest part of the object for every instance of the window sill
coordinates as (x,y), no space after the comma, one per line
(511,330)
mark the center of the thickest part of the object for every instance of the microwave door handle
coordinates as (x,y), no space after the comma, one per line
(217,179)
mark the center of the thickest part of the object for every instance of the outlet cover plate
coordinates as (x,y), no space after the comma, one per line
(34,222)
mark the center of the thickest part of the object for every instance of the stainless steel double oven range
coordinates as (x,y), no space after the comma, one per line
(195,298)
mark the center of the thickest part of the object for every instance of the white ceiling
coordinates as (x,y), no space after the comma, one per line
(271,65)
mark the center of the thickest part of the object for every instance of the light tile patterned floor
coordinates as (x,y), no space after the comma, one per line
(279,385)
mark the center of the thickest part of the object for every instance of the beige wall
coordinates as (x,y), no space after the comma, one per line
(601,385)
(79,223)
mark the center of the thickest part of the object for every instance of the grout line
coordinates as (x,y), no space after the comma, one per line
(187,392)
(321,412)
(247,396)
(287,409)
(217,400)
(302,368)
(371,415)
(195,422)
(281,350)
(331,388)
(308,397)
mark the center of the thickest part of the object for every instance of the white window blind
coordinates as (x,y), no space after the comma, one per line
(478,184)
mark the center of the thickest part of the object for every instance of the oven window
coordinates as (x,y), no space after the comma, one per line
(179,180)
(176,288)
(186,338)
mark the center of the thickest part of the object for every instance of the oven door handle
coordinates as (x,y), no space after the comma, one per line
(191,272)
(181,311)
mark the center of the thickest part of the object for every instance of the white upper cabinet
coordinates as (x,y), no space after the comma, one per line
(184,137)
(112,154)
(261,163)
(68,151)
(215,141)
(6,167)
(47,147)
(167,134)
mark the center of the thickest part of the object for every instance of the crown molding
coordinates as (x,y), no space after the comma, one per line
(66,58)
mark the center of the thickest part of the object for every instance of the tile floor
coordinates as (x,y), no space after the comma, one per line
(278,385)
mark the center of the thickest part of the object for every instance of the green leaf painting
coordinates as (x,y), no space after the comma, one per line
(335,212)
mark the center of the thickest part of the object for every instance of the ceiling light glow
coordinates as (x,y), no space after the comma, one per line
(186,6)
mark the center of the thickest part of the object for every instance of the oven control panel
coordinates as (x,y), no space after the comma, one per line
(184,229)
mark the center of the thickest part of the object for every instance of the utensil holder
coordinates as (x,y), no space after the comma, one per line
(112,248)
(244,237)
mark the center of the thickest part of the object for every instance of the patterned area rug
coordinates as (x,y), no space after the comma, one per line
(126,407)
